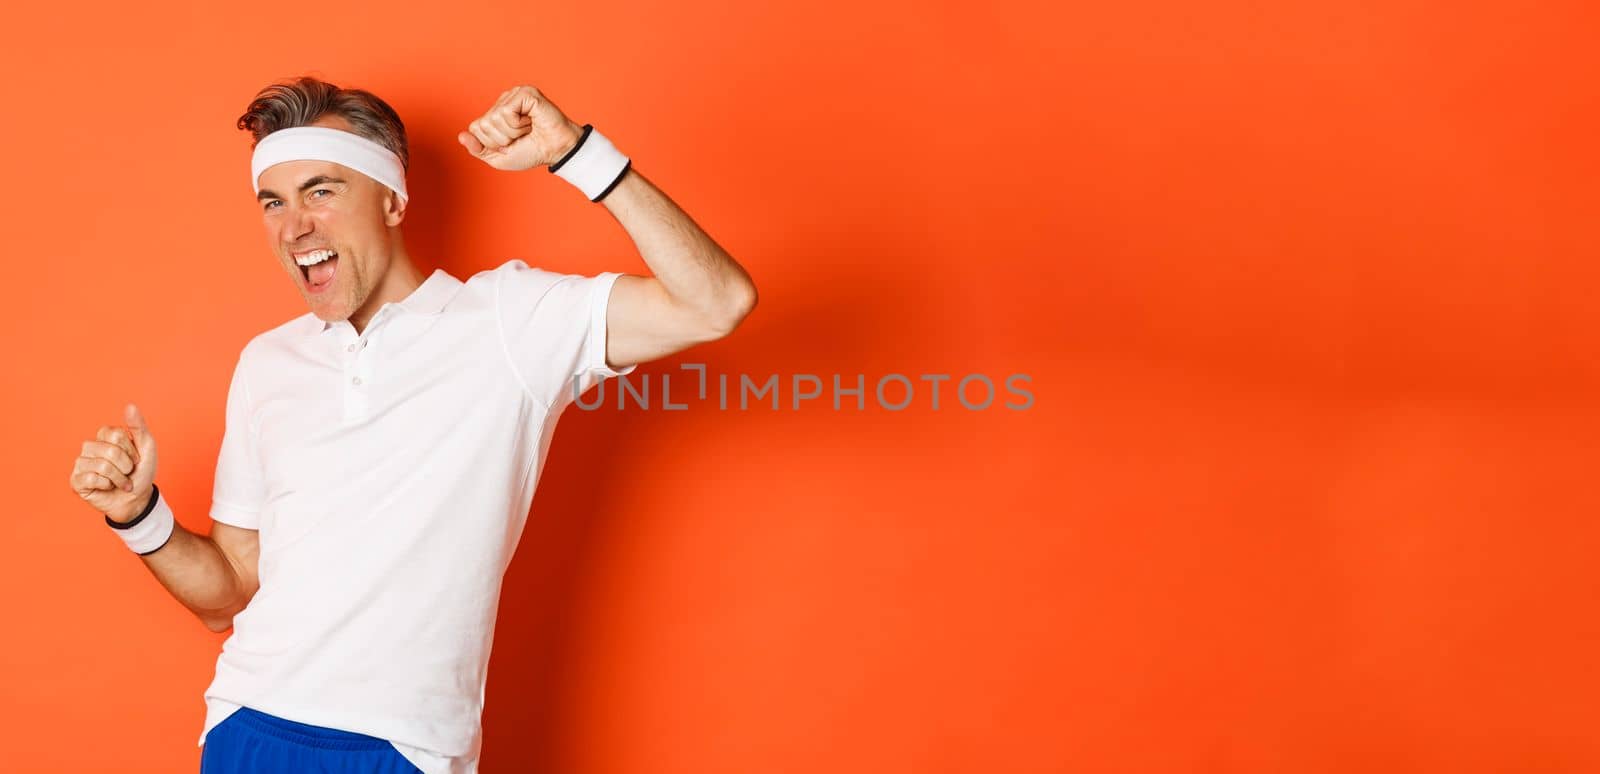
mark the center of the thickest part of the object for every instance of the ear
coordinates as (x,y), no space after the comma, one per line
(394,208)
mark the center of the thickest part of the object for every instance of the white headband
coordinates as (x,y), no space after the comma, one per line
(320,143)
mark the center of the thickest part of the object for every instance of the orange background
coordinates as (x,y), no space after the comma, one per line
(1304,293)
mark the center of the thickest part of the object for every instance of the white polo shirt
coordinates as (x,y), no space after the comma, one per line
(390,475)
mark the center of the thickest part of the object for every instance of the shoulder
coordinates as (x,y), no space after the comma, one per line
(521,291)
(285,338)
(517,276)
(288,332)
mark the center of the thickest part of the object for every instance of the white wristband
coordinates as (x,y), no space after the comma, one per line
(151,530)
(594,165)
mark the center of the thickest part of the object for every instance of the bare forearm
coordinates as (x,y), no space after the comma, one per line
(196,572)
(693,268)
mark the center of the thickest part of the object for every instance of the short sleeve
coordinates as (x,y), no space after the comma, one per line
(239,491)
(554,326)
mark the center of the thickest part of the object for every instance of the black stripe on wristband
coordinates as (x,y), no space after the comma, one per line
(587,128)
(620,175)
(163,543)
(155,492)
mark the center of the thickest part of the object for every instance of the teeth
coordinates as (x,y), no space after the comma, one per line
(315,257)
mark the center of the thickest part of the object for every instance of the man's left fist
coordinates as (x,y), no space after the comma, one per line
(523,130)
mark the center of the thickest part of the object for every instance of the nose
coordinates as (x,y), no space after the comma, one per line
(296,224)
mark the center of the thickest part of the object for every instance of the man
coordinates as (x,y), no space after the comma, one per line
(380,452)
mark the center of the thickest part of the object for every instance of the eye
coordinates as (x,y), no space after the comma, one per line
(269,204)
(321,190)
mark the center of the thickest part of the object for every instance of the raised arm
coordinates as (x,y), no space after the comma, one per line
(697,293)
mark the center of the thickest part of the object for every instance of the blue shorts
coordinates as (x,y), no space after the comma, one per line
(252,741)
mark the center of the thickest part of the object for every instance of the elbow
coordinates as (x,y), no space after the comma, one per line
(219,620)
(739,304)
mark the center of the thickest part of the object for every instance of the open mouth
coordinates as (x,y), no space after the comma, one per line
(318,267)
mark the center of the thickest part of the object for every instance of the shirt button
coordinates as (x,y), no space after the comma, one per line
(356,380)
(350,348)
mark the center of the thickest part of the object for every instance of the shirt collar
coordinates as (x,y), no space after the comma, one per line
(429,298)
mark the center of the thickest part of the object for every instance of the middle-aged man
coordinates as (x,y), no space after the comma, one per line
(380,452)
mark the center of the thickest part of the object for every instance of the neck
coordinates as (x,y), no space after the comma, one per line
(399,281)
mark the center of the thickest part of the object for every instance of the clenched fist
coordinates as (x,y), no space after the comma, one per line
(522,130)
(115,472)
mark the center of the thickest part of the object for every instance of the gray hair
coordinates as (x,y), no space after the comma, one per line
(303,100)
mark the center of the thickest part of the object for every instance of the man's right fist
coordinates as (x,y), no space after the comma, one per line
(116,470)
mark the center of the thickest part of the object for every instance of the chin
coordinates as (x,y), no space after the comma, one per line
(326,311)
